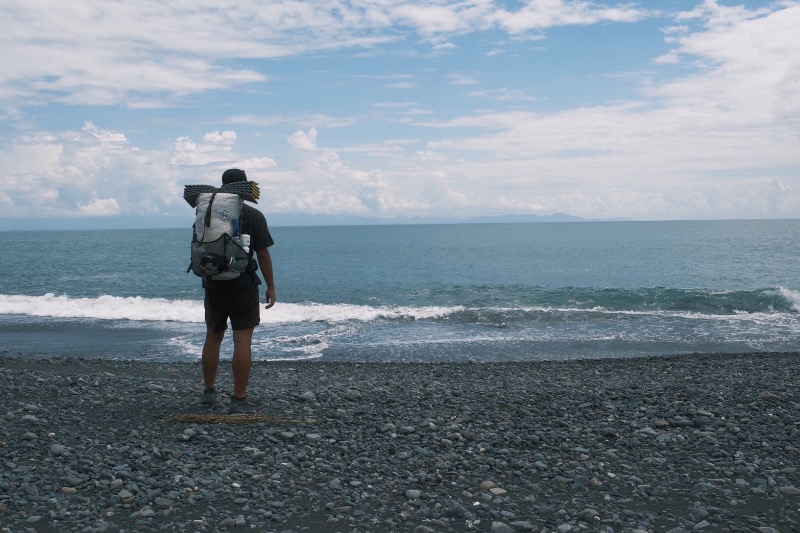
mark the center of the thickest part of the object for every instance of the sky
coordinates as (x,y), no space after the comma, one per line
(394,109)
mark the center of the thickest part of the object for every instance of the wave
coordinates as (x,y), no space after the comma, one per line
(137,308)
(564,304)
(652,299)
(104,307)
(793,297)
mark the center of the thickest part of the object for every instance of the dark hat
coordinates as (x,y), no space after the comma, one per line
(232,175)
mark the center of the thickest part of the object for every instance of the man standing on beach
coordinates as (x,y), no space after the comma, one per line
(237,299)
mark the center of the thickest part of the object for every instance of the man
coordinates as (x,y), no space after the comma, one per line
(237,300)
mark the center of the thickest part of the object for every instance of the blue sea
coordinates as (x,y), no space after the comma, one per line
(430,293)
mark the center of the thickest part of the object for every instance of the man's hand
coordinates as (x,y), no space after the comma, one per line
(271,298)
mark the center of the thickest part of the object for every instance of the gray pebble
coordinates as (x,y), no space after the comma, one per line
(57,450)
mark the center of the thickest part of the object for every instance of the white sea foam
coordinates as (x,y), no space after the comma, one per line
(103,307)
(792,296)
(136,308)
(333,313)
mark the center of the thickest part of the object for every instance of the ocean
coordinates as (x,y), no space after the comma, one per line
(422,293)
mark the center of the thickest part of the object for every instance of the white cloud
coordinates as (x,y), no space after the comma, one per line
(708,143)
(226,138)
(327,201)
(256,163)
(147,54)
(216,147)
(541,15)
(715,14)
(102,207)
(752,73)
(98,172)
(301,140)
(105,137)
(462,79)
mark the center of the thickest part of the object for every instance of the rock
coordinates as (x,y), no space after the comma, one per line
(57,450)
(455,510)
(486,485)
(580,481)
(501,527)
(308,396)
(144,512)
(162,503)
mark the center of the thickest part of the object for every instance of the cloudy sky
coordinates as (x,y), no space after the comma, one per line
(665,109)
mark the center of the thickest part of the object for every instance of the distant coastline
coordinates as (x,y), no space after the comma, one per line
(276,220)
(298,220)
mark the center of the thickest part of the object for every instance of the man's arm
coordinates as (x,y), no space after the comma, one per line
(265,263)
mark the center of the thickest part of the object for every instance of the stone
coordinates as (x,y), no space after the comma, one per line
(308,396)
(57,450)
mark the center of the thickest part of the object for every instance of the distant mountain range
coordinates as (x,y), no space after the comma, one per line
(348,220)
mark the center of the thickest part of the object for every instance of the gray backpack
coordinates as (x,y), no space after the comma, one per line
(218,252)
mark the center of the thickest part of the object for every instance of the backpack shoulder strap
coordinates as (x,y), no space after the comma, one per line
(208,209)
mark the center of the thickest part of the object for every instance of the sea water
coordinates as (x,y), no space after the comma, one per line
(461,292)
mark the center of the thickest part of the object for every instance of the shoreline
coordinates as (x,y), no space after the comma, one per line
(678,443)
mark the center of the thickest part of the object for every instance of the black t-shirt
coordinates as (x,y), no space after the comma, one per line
(254,224)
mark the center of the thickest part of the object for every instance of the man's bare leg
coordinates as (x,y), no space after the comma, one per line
(242,361)
(211,357)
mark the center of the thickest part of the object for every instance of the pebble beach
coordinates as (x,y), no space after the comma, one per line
(670,444)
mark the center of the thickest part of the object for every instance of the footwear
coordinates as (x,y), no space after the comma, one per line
(245,405)
(209,397)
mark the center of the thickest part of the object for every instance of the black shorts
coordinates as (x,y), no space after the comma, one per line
(240,304)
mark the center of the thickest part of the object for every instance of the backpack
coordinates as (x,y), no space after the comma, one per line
(217,251)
